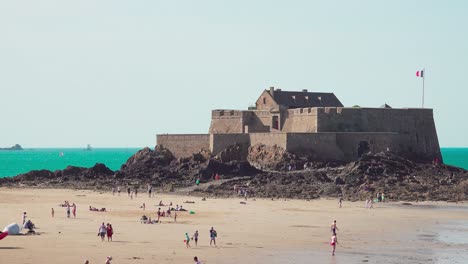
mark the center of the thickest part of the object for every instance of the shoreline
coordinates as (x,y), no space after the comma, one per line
(263,230)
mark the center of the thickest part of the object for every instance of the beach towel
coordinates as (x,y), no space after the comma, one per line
(12,229)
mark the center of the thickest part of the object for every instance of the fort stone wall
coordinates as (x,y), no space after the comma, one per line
(184,145)
(219,142)
(415,126)
(226,121)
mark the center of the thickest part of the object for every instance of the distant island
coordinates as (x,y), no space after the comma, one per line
(15,147)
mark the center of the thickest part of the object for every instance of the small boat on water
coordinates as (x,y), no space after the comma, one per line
(88,147)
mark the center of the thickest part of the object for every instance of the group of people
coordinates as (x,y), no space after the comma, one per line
(106,230)
(213,236)
(334,238)
(108,260)
(92,208)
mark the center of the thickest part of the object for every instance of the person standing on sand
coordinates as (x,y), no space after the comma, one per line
(118,190)
(24,217)
(150,189)
(159,213)
(195,238)
(333,227)
(144,206)
(110,232)
(213,235)
(175,217)
(128,191)
(102,231)
(74,210)
(195,259)
(333,242)
(68,211)
(340,201)
(136,191)
(53,213)
(187,240)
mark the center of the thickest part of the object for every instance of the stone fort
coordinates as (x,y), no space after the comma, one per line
(316,125)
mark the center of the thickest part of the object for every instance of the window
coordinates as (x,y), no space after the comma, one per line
(264,100)
(275,122)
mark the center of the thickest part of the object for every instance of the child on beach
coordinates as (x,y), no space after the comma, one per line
(187,240)
(334,241)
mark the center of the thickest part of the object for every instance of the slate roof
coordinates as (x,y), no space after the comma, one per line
(293,99)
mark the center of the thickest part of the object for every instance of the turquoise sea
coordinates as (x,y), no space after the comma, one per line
(16,162)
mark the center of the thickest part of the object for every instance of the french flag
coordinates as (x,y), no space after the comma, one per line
(420,74)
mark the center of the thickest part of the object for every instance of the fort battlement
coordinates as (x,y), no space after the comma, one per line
(315,124)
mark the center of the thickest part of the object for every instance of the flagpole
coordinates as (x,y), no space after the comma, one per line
(423,76)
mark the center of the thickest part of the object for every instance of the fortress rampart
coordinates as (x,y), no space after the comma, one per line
(323,132)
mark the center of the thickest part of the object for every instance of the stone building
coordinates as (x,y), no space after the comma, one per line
(316,125)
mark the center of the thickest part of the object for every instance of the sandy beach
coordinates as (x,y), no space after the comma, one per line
(260,231)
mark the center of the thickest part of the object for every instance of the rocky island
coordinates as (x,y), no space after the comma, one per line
(15,147)
(290,145)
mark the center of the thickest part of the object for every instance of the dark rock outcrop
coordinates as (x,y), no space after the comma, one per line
(15,147)
(397,177)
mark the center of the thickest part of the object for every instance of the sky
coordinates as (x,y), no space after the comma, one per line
(116,73)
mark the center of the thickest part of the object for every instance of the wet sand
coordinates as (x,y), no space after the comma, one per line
(262,231)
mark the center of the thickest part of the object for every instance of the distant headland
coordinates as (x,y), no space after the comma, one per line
(15,147)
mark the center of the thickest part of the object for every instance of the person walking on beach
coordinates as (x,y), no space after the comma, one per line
(195,238)
(333,227)
(159,213)
(187,240)
(68,211)
(150,189)
(102,231)
(118,190)
(109,231)
(195,259)
(24,217)
(333,242)
(74,210)
(128,191)
(340,201)
(213,235)
(53,213)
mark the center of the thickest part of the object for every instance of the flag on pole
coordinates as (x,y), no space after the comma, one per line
(420,74)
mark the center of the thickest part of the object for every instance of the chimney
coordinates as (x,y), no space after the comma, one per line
(272,91)
(304,90)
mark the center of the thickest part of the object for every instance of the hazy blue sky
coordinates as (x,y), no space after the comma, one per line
(115,73)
